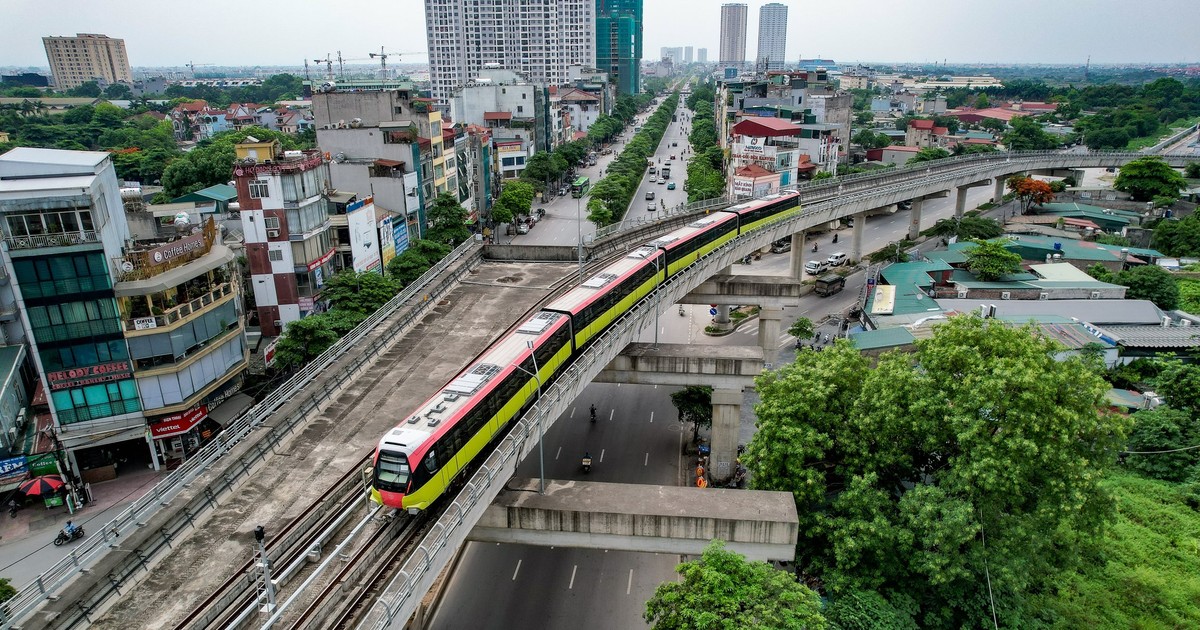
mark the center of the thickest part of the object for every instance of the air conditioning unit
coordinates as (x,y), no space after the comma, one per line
(1005,295)
(272,233)
(1043,296)
(279,323)
(1094,296)
(962,294)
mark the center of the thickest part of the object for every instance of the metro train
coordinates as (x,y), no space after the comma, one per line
(419,459)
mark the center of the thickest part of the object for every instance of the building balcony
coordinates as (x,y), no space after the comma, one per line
(62,239)
(182,311)
(150,258)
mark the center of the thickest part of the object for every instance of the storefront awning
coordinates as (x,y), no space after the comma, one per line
(231,409)
(179,423)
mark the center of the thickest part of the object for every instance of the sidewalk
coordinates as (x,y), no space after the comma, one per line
(26,541)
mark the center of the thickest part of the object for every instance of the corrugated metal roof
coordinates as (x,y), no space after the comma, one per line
(1156,336)
(1116,312)
(882,338)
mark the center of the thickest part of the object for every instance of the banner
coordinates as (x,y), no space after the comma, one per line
(364,235)
(387,242)
(400,234)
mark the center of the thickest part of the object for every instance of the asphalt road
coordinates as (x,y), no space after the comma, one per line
(637,439)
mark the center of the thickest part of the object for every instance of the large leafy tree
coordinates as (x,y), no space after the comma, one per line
(515,199)
(1027,135)
(1158,444)
(928,154)
(1029,191)
(1150,282)
(359,292)
(991,260)
(304,340)
(1178,237)
(694,405)
(447,221)
(416,260)
(977,460)
(724,591)
(1149,177)
(966,228)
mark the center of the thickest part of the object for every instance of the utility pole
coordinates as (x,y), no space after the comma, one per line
(265,586)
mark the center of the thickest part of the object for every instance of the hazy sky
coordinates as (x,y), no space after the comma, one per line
(159,33)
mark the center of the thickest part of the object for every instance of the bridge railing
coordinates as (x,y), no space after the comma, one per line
(137,514)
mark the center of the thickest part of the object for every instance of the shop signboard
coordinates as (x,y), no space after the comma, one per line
(89,375)
(13,467)
(364,235)
(400,234)
(387,242)
(144,323)
(178,423)
(177,248)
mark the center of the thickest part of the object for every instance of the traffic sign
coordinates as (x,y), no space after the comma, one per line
(712,311)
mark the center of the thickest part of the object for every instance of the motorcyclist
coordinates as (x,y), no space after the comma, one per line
(814,247)
(593,410)
(69,530)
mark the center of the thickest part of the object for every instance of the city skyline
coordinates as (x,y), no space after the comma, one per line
(1013,32)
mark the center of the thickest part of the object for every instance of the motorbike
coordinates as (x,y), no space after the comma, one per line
(593,410)
(587,464)
(814,247)
(681,312)
(64,537)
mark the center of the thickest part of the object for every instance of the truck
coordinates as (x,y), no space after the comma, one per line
(829,284)
(666,172)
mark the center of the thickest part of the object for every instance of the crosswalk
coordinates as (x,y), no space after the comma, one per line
(751,330)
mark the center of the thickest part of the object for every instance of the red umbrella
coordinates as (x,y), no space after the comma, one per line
(42,486)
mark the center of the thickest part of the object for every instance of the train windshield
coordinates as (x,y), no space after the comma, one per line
(392,469)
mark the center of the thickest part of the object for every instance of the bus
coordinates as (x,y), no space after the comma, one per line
(580,186)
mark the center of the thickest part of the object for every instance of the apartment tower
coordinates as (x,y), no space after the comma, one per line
(733,34)
(540,41)
(619,42)
(772,36)
(87,57)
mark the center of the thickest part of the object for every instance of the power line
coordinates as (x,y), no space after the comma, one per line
(1174,450)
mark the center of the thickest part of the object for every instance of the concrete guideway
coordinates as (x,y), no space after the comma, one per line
(634,517)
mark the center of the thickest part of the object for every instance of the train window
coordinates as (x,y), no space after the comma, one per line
(392,468)
(431,461)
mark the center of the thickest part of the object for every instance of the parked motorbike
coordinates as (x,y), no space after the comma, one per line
(587,464)
(64,538)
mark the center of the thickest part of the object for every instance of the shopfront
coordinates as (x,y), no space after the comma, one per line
(179,435)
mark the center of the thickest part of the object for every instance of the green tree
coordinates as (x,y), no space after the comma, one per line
(866,610)
(802,328)
(868,139)
(1150,282)
(1192,170)
(966,228)
(694,405)
(820,175)
(991,260)
(723,591)
(901,471)
(993,124)
(928,154)
(1179,383)
(1027,135)
(515,199)
(1162,429)
(7,591)
(361,292)
(1178,237)
(304,340)
(416,260)
(88,89)
(447,221)
(1149,177)
(118,91)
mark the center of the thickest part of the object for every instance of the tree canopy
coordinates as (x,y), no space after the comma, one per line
(966,228)
(1178,237)
(928,154)
(694,404)
(1145,282)
(1025,134)
(416,260)
(447,221)
(991,260)
(1149,177)
(980,453)
(723,591)
(1029,191)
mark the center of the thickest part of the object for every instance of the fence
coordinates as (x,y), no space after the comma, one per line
(143,519)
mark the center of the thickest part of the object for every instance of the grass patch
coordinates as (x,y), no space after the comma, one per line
(1172,128)
(1189,295)
(987,205)
(1145,571)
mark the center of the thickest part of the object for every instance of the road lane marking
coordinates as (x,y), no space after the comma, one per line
(651,417)
(611,412)
(601,456)
(514,578)
(647,460)
(629,584)
(558,453)
(574,568)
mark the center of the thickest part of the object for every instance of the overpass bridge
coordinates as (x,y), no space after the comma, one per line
(146,531)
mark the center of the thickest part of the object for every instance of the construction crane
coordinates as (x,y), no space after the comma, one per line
(192,66)
(383,57)
(328,61)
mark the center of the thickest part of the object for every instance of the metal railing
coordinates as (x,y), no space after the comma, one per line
(62,239)
(420,296)
(180,312)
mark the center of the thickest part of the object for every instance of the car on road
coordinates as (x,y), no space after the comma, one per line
(671,186)
(652,206)
(815,267)
(522,228)
(662,180)
(782,246)
(649,195)
(836,259)
(653,179)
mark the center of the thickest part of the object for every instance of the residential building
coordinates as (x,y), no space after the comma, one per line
(672,54)
(196,121)
(923,133)
(733,34)
(687,54)
(128,326)
(87,57)
(619,42)
(583,107)
(772,36)
(515,112)
(803,97)
(702,55)
(465,35)
(285,200)
(386,143)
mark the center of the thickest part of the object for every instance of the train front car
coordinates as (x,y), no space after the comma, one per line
(420,458)
(765,210)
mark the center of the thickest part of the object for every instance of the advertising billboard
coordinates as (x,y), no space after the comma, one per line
(400,235)
(387,242)
(364,235)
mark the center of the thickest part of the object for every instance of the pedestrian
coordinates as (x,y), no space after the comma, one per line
(826,338)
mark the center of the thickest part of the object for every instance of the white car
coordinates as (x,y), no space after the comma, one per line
(652,206)
(653,179)
(815,267)
(836,259)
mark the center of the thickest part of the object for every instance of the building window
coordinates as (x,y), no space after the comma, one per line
(271,223)
(96,401)
(275,255)
(259,189)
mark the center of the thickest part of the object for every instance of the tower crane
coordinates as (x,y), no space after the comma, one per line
(192,66)
(328,61)
(383,57)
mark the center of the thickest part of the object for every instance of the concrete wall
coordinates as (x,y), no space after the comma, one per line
(539,253)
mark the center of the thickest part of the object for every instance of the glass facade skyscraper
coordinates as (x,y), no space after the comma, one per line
(619,43)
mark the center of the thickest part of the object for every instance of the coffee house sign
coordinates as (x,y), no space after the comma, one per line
(89,375)
(175,249)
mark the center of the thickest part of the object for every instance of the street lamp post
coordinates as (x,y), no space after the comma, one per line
(657,296)
(579,232)
(541,455)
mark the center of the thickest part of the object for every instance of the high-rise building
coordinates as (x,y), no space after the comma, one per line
(87,57)
(687,54)
(772,36)
(538,40)
(619,42)
(702,55)
(733,34)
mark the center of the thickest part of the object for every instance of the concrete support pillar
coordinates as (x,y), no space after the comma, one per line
(998,191)
(960,201)
(722,319)
(856,240)
(798,256)
(769,320)
(914,220)
(727,421)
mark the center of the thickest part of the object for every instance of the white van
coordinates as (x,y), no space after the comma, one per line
(836,259)
(815,267)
